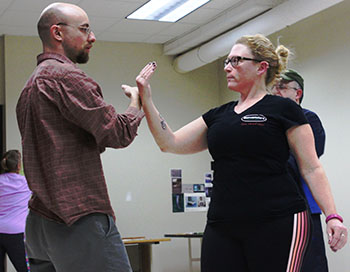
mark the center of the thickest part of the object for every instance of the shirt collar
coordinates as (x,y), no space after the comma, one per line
(61,58)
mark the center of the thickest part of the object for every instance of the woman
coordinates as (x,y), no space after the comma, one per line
(257,220)
(14,196)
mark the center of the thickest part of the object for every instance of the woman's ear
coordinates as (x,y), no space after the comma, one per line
(264,65)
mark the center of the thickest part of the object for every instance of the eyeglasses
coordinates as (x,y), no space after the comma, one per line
(86,29)
(236,59)
(282,87)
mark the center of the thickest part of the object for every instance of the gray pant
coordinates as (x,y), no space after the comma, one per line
(91,244)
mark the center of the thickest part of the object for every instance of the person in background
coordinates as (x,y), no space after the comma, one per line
(14,197)
(291,86)
(65,124)
(257,218)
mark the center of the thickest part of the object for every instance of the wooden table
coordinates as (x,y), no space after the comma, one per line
(140,252)
(189,236)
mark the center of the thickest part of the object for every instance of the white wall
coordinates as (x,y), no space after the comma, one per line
(141,169)
(2,72)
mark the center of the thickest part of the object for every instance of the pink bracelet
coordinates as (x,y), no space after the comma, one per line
(334,216)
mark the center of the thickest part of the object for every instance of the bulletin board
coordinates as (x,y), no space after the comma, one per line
(190,197)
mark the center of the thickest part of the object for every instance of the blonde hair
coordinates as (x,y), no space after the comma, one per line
(263,49)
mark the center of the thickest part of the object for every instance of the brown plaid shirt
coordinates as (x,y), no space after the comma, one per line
(65,124)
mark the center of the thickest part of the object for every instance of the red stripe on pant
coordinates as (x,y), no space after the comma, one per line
(300,240)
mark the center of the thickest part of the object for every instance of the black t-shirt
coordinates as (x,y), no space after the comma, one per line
(250,152)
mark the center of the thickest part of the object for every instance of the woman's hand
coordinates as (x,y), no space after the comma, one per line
(337,234)
(142,80)
(143,89)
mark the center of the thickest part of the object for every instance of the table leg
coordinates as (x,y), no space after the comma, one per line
(191,258)
(190,253)
(145,257)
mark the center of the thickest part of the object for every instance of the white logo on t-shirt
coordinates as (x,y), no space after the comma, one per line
(254,118)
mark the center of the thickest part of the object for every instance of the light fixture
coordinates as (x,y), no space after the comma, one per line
(166,10)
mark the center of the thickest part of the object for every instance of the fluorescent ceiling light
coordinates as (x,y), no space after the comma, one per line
(166,10)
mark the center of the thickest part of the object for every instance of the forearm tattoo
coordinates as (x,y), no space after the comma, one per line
(162,122)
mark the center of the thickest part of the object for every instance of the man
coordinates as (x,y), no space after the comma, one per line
(65,124)
(292,86)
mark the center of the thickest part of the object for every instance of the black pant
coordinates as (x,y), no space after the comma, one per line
(315,258)
(13,246)
(275,245)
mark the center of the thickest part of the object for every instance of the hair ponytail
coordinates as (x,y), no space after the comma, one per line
(283,55)
(10,161)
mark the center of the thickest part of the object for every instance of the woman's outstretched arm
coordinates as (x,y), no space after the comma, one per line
(191,138)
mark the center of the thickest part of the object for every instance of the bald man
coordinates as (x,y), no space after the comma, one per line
(65,124)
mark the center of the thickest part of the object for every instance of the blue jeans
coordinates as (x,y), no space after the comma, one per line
(91,244)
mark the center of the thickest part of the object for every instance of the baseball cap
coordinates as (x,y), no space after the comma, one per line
(292,75)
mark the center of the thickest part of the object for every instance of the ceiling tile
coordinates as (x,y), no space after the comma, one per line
(106,8)
(178,29)
(200,16)
(159,38)
(4,4)
(223,4)
(141,2)
(138,26)
(100,23)
(123,37)
(33,5)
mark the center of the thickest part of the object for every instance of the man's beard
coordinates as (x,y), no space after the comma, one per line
(83,57)
(77,57)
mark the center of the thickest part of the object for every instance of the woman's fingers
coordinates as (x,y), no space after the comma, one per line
(147,72)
